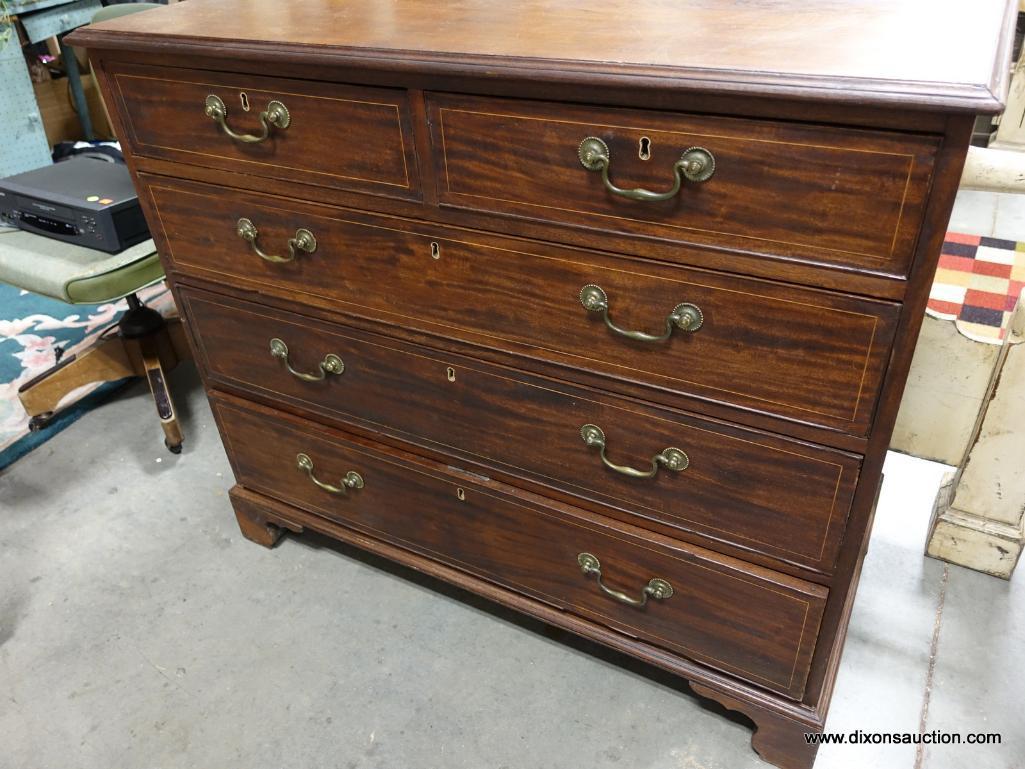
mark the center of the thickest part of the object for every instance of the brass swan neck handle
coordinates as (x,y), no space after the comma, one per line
(656,588)
(671,458)
(352,479)
(275,116)
(696,164)
(331,364)
(685,316)
(302,242)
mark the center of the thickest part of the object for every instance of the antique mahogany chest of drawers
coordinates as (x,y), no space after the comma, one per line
(602,311)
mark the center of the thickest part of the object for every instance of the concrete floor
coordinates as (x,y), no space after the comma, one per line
(998,214)
(139,629)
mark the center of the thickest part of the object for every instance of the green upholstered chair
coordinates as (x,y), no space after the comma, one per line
(121,9)
(74,274)
(146,344)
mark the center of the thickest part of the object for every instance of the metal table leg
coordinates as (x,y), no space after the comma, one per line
(77,93)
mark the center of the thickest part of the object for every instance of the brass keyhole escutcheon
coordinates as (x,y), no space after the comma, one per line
(450,374)
(244,98)
(460,495)
(435,251)
(644,148)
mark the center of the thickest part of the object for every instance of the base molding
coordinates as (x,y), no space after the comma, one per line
(778,739)
(781,721)
(959,537)
(257,522)
(978,521)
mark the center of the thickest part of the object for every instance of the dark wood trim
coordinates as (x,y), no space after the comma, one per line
(267,510)
(949,164)
(859,282)
(777,739)
(748,418)
(974,98)
(883,117)
(319,406)
(422,145)
(711,103)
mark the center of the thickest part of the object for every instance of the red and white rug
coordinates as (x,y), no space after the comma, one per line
(978,284)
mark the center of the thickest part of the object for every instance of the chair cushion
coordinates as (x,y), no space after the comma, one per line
(74,274)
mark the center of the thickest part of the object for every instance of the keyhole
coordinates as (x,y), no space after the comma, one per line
(460,495)
(435,251)
(244,98)
(450,374)
(644,148)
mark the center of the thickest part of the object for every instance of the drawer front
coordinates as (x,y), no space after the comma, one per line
(352,138)
(782,498)
(724,613)
(802,354)
(814,193)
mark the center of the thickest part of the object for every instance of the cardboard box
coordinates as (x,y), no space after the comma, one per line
(60,121)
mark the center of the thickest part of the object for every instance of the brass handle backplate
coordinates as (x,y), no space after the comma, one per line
(656,588)
(695,165)
(331,364)
(352,479)
(672,458)
(276,115)
(685,316)
(303,241)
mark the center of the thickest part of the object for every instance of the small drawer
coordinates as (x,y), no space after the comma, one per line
(351,138)
(819,194)
(719,611)
(781,498)
(803,354)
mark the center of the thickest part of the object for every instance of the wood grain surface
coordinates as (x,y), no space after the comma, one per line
(727,614)
(815,193)
(815,109)
(809,355)
(783,498)
(944,53)
(339,136)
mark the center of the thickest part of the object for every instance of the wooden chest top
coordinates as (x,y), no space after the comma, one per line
(944,54)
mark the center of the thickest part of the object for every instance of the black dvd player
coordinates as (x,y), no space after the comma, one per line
(82,200)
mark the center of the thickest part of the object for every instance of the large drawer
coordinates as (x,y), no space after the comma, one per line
(814,193)
(348,137)
(804,354)
(782,498)
(722,612)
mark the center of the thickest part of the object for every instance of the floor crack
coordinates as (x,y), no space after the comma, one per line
(933,648)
